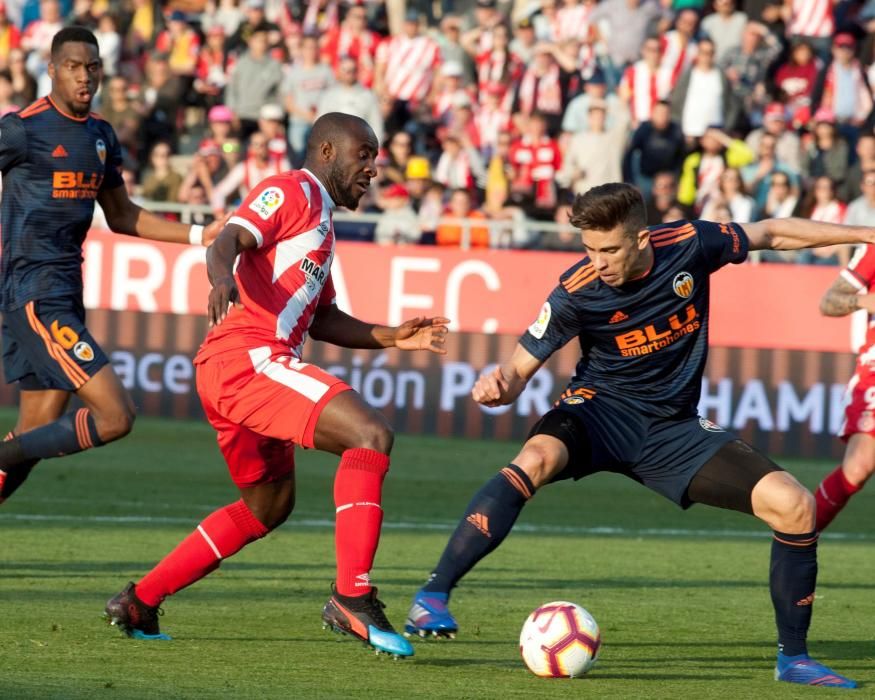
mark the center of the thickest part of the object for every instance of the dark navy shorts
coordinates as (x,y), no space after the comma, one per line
(602,434)
(47,346)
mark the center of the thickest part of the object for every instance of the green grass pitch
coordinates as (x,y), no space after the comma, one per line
(682,598)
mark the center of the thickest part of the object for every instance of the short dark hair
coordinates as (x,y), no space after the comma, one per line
(605,207)
(73,34)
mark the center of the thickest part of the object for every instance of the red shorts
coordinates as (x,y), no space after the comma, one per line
(262,405)
(860,411)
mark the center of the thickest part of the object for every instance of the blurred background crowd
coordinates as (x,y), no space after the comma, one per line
(496,112)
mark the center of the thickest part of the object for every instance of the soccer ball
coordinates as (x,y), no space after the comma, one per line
(560,640)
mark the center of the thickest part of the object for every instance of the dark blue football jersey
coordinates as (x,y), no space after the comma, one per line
(54,165)
(644,343)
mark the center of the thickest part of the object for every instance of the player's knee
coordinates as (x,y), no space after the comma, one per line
(375,434)
(115,424)
(539,461)
(279,512)
(796,514)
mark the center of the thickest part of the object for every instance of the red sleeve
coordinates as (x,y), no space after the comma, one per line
(860,272)
(328,295)
(275,208)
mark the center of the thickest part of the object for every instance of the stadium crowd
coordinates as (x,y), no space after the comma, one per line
(492,111)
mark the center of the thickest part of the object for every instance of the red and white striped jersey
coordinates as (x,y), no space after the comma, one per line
(409,64)
(830,213)
(860,273)
(498,67)
(677,55)
(640,83)
(573,22)
(535,165)
(491,122)
(811,18)
(288,275)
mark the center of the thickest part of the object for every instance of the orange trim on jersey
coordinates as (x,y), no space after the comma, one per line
(34,109)
(577,274)
(662,235)
(800,543)
(82,433)
(667,229)
(672,241)
(74,372)
(33,105)
(582,282)
(64,114)
(516,482)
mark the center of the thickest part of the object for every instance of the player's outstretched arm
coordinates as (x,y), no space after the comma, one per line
(795,233)
(843,298)
(506,382)
(334,326)
(221,255)
(123,216)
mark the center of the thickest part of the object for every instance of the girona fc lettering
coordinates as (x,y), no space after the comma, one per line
(656,336)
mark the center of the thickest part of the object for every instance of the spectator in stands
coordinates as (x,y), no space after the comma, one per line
(663,196)
(595,156)
(466,235)
(398,154)
(220,125)
(639,87)
(724,27)
(627,24)
(223,13)
(304,83)
(576,116)
(864,161)
(10,37)
(524,40)
(161,102)
(823,204)
(109,42)
(272,123)
(498,64)
(449,40)
(37,41)
(181,44)
(480,37)
(398,223)
(207,169)
(160,181)
(213,67)
(119,110)
(795,80)
(447,88)
(460,164)
(493,118)
(246,174)
(782,197)
(255,21)
(7,92)
(542,89)
(730,194)
(23,83)
(787,146)
(828,154)
(352,39)
(565,236)
(430,209)
(417,179)
(535,159)
(757,176)
(657,146)
(861,211)
(350,96)
(703,96)
(405,65)
(747,65)
(702,169)
(843,89)
(679,50)
(811,20)
(254,81)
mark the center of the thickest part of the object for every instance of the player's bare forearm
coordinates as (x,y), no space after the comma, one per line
(507,381)
(221,255)
(795,233)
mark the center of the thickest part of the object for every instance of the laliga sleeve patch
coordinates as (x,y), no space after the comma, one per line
(267,202)
(539,327)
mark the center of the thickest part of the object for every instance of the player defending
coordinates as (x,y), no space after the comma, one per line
(848,293)
(262,400)
(638,305)
(56,159)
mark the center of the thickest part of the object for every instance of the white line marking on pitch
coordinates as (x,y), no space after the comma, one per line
(444,526)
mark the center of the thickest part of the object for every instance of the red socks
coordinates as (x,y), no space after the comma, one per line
(220,535)
(358,490)
(832,495)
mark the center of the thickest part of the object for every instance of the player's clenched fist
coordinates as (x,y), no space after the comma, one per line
(491,389)
(222,295)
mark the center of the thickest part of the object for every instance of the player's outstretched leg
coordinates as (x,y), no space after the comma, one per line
(221,534)
(788,508)
(349,427)
(834,492)
(487,521)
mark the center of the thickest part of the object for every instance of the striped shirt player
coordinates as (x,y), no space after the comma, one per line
(638,307)
(57,159)
(263,399)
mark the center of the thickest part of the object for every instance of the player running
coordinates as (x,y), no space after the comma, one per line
(57,158)
(638,305)
(847,294)
(262,399)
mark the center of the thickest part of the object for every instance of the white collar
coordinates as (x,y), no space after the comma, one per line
(325,195)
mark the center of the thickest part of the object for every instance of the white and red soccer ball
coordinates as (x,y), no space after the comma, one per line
(560,640)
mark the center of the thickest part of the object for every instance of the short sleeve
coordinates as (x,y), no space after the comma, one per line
(270,210)
(860,272)
(112,176)
(13,142)
(722,244)
(557,323)
(328,295)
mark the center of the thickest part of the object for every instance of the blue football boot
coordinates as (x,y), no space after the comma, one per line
(429,616)
(363,617)
(806,671)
